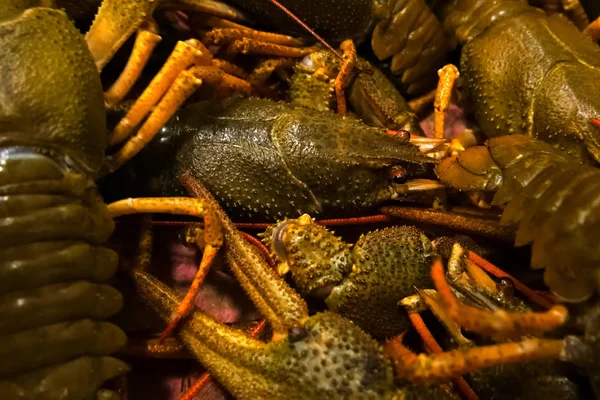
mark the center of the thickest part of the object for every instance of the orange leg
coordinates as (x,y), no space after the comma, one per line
(184,55)
(265,69)
(145,42)
(448,75)
(497,272)
(452,364)
(497,324)
(230,68)
(257,47)
(349,61)
(227,36)
(434,347)
(249,41)
(213,239)
(187,304)
(186,83)
(151,348)
(419,104)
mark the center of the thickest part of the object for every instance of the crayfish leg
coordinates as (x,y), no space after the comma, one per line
(250,41)
(146,40)
(184,55)
(498,323)
(349,62)
(226,36)
(280,304)
(186,83)
(448,75)
(265,68)
(213,239)
(423,368)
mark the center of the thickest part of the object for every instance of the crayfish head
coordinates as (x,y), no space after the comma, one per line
(317,259)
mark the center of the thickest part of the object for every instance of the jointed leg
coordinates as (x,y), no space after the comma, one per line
(448,75)
(499,323)
(145,42)
(498,273)
(249,41)
(185,54)
(434,347)
(420,103)
(186,83)
(452,364)
(349,61)
(187,304)
(265,69)
(213,238)
(225,36)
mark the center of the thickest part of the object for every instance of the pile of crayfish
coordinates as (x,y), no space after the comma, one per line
(299,200)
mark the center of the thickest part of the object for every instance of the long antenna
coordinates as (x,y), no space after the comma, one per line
(308,29)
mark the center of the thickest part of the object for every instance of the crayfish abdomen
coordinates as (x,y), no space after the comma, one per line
(53,272)
(53,269)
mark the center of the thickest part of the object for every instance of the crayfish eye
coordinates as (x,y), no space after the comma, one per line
(297,333)
(506,287)
(399,175)
(402,133)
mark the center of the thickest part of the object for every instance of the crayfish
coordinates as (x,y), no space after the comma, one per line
(248,153)
(309,356)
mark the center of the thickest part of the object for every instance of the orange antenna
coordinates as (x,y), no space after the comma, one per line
(308,29)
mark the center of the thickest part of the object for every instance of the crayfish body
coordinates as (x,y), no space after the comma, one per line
(270,160)
(526,72)
(53,268)
(363,282)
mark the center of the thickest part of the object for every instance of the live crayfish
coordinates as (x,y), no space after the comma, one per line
(552,200)
(342,166)
(548,93)
(373,97)
(54,268)
(474,287)
(54,275)
(405,34)
(297,354)
(363,282)
(74,144)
